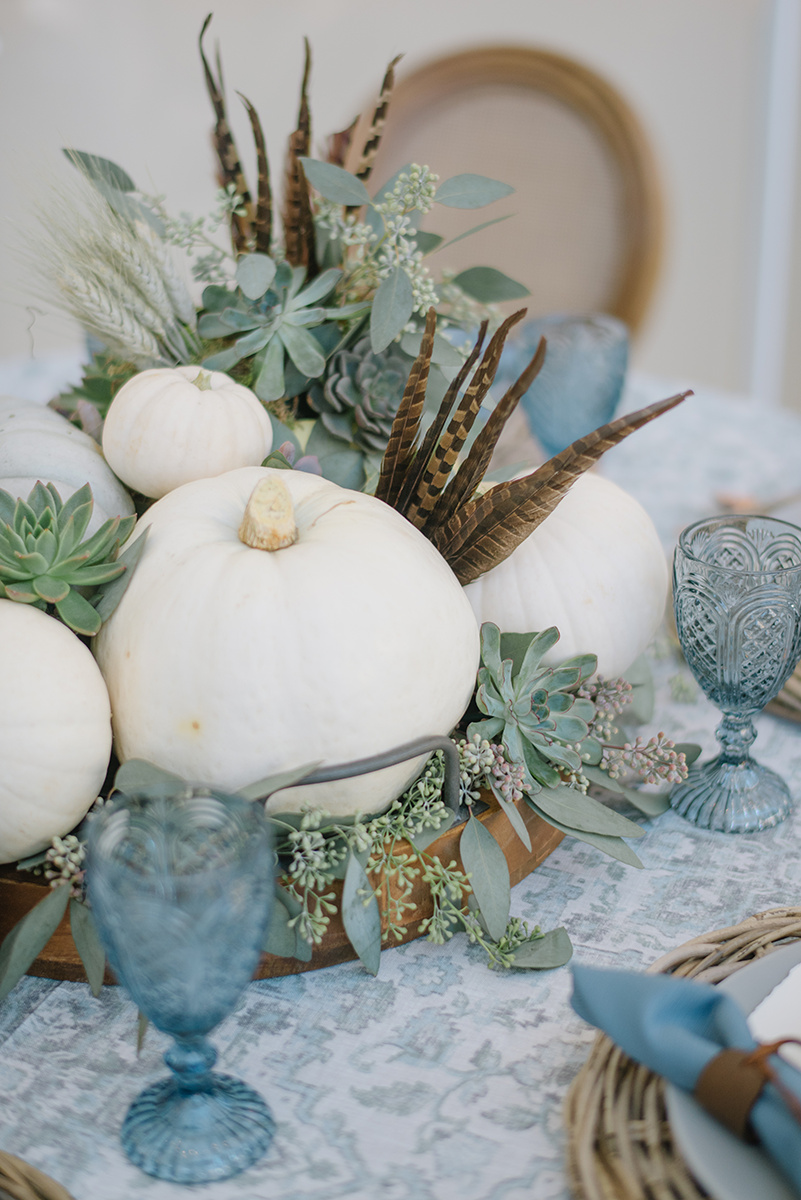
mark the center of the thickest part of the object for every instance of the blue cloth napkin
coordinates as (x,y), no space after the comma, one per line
(675,1027)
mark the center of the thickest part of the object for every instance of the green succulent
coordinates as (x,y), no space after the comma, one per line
(361,393)
(530,708)
(43,560)
(274,314)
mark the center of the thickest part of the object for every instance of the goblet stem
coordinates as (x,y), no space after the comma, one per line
(190,1059)
(733,793)
(736,734)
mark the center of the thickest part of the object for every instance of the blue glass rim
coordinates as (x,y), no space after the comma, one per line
(739,520)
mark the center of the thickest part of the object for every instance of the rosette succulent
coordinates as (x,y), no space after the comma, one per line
(361,394)
(43,560)
(544,726)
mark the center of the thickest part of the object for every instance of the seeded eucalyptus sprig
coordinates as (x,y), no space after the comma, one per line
(43,559)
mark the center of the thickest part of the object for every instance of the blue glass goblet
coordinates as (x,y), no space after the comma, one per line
(181,888)
(737,599)
(581,381)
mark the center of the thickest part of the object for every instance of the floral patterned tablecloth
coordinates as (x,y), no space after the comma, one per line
(440,1079)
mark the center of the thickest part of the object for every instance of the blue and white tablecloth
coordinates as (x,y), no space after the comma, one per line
(440,1079)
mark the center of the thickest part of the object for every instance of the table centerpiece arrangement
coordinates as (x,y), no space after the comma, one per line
(278,623)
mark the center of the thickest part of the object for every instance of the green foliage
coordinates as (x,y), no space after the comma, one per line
(29,937)
(44,561)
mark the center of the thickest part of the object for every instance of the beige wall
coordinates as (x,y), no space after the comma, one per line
(121,78)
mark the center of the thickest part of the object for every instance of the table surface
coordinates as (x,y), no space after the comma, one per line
(440,1078)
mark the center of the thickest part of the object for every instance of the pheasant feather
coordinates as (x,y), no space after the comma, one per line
(400,447)
(230,166)
(365,164)
(296,214)
(263,215)
(486,530)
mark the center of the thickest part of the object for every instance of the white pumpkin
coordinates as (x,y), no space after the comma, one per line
(169,426)
(55,730)
(595,568)
(226,663)
(37,443)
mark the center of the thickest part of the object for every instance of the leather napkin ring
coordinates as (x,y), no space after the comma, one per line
(728,1087)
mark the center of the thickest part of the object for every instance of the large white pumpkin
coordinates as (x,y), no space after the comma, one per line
(55,730)
(226,663)
(37,443)
(595,568)
(168,426)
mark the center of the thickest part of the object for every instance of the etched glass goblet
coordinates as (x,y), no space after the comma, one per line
(737,599)
(181,888)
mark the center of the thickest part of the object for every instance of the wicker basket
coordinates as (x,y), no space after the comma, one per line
(620,1145)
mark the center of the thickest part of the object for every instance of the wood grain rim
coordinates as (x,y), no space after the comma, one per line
(59,959)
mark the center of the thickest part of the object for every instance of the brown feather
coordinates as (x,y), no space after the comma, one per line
(400,447)
(263,216)
(472,470)
(296,215)
(230,171)
(443,459)
(489,528)
(338,144)
(416,469)
(365,165)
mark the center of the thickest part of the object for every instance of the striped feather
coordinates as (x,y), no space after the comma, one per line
(263,216)
(472,470)
(400,447)
(337,145)
(417,468)
(443,459)
(296,215)
(489,528)
(365,165)
(227,154)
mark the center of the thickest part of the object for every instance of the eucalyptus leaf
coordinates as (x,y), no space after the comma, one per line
(485,863)
(690,751)
(137,775)
(469,232)
(643,696)
(514,817)
(577,811)
(393,305)
(471,191)
(335,183)
(29,937)
(275,783)
(88,944)
(361,916)
(427,243)
(615,847)
(652,804)
(254,274)
(443,354)
(553,949)
(100,169)
(489,286)
(282,939)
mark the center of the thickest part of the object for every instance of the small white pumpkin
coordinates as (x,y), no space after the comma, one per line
(55,730)
(595,568)
(227,663)
(37,443)
(170,426)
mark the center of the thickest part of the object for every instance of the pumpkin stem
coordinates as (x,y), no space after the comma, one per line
(269,520)
(202,380)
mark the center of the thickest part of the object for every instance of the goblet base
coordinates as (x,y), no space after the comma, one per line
(197,1137)
(732,797)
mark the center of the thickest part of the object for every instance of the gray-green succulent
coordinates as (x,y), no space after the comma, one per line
(44,561)
(530,708)
(360,395)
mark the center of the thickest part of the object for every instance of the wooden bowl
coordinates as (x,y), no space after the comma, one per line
(20,891)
